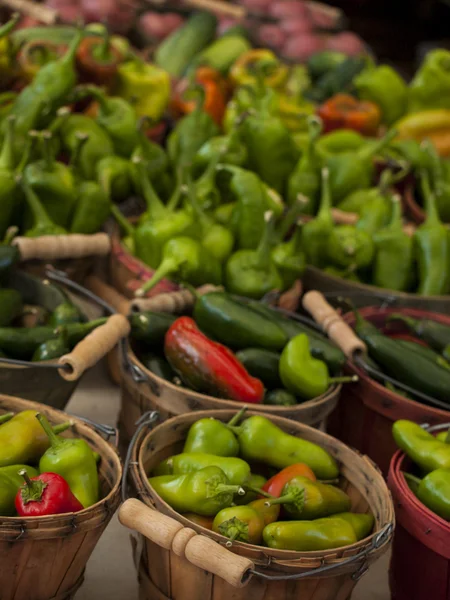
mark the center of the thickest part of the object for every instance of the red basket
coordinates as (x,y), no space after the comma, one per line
(420,563)
(366,411)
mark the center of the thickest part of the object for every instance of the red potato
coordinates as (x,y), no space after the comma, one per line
(172,21)
(71,13)
(155,26)
(26,22)
(302,47)
(271,35)
(296,26)
(119,15)
(346,42)
(258,5)
(287,9)
(321,19)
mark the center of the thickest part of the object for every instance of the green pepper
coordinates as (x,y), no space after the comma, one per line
(254,483)
(324,62)
(421,446)
(290,259)
(350,171)
(306,500)
(190,133)
(305,179)
(340,140)
(93,204)
(212,437)
(150,328)
(271,152)
(383,86)
(155,158)
(43,224)
(158,366)
(262,364)
(10,483)
(240,523)
(432,242)
(430,87)
(22,439)
(118,119)
(362,523)
(97,147)
(50,88)
(375,215)
(433,491)
(261,440)
(11,306)
(21,342)
(65,313)
(306,536)
(126,227)
(204,492)
(425,351)
(280,398)
(187,260)
(54,348)
(394,254)
(224,213)
(8,184)
(159,224)
(302,374)
(74,460)
(236,153)
(252,273)
(440,176)
(114,175)
(359,200)
(315,233)
(236,325)
(53,183)
(348,246)
(236,469)
(436,334)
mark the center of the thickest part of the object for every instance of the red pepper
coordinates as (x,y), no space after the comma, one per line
(207,366)
(346,112)
(46,494)
(98,61)
(276,483)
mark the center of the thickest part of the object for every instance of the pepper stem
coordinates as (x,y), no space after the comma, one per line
(412,481)
(204,221)
(122,221)
(9,25)
(7,153)
(69,56)
(80,140)
(40,215)
(430,200)
(45,138)
(62,427)
(55,441)
(260,492)
(155,207)
(177,194)
(167,267)
(221,488)
(237,417)
(32,490)
(6,417)
(290,218)
(344,379)
(324,212)
(263,251)
(234,529)
(296,497)
(368,152)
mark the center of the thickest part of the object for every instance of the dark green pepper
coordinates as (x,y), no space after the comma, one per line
(158,366)
(235,154)
(436,334)
(440,176)
(235,324)
(114,175)
(236,469)
(316,232)
(65,313)
(43,224)
(204,492)
(348,246)
(252,273)
(261,440)
(262,364)
(11,306)
(10,483)
(54,348)
(280,398)
(155,158)
(150,328)
(8,183)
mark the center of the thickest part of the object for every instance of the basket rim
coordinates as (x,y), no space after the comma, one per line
(283,558)
(80,425)
(331,394)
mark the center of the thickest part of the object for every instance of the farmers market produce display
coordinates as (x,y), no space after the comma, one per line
(42,473)
(277,361)
(291,510)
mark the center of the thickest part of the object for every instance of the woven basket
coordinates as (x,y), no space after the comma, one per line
(43,558)
(420,563)
(177,563)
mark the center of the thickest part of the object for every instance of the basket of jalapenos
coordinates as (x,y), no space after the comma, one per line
(59,488)
(243,505)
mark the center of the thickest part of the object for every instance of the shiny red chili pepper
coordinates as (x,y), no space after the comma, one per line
(276,484)
(207,366)
(346,112)
(46,494)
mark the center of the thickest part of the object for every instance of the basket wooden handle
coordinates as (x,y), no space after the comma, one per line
(173,302)
(332,323)
(41,13)
(54,247)
(94,347)
(152,524)
(342,217)
(217,6)
(108,294)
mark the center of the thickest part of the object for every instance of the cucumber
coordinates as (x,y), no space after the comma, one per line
(179,49)
(223,53)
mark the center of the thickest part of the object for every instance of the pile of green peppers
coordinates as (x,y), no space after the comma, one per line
(211,486)
(431,456)
(293,362)
(29,443)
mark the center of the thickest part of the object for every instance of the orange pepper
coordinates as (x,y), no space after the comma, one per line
(215,95)
(276,484)
(346,112)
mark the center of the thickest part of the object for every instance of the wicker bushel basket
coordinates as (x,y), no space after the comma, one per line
(420,563)
(184,561)
(43,558)
(365,415)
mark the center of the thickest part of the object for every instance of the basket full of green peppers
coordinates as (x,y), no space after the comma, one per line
(255,483)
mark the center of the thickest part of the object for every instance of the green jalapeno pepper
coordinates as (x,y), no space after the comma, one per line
(436,334)
(433,491)
(236,469)
(212,437)
(8,183)
(11,306)
(349,246)
(316,232)
(262,364)
(42,223)
(52,349)
(150,328)
(280,398)
(362,524)
(204,492)
(421,446)
(430,86)
(305,536)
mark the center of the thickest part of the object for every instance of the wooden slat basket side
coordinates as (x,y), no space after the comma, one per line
(165,575)
(43,558)
(367,410)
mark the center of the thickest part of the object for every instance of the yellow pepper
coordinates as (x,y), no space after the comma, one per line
(428,124)
(247,67)
(6,63)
